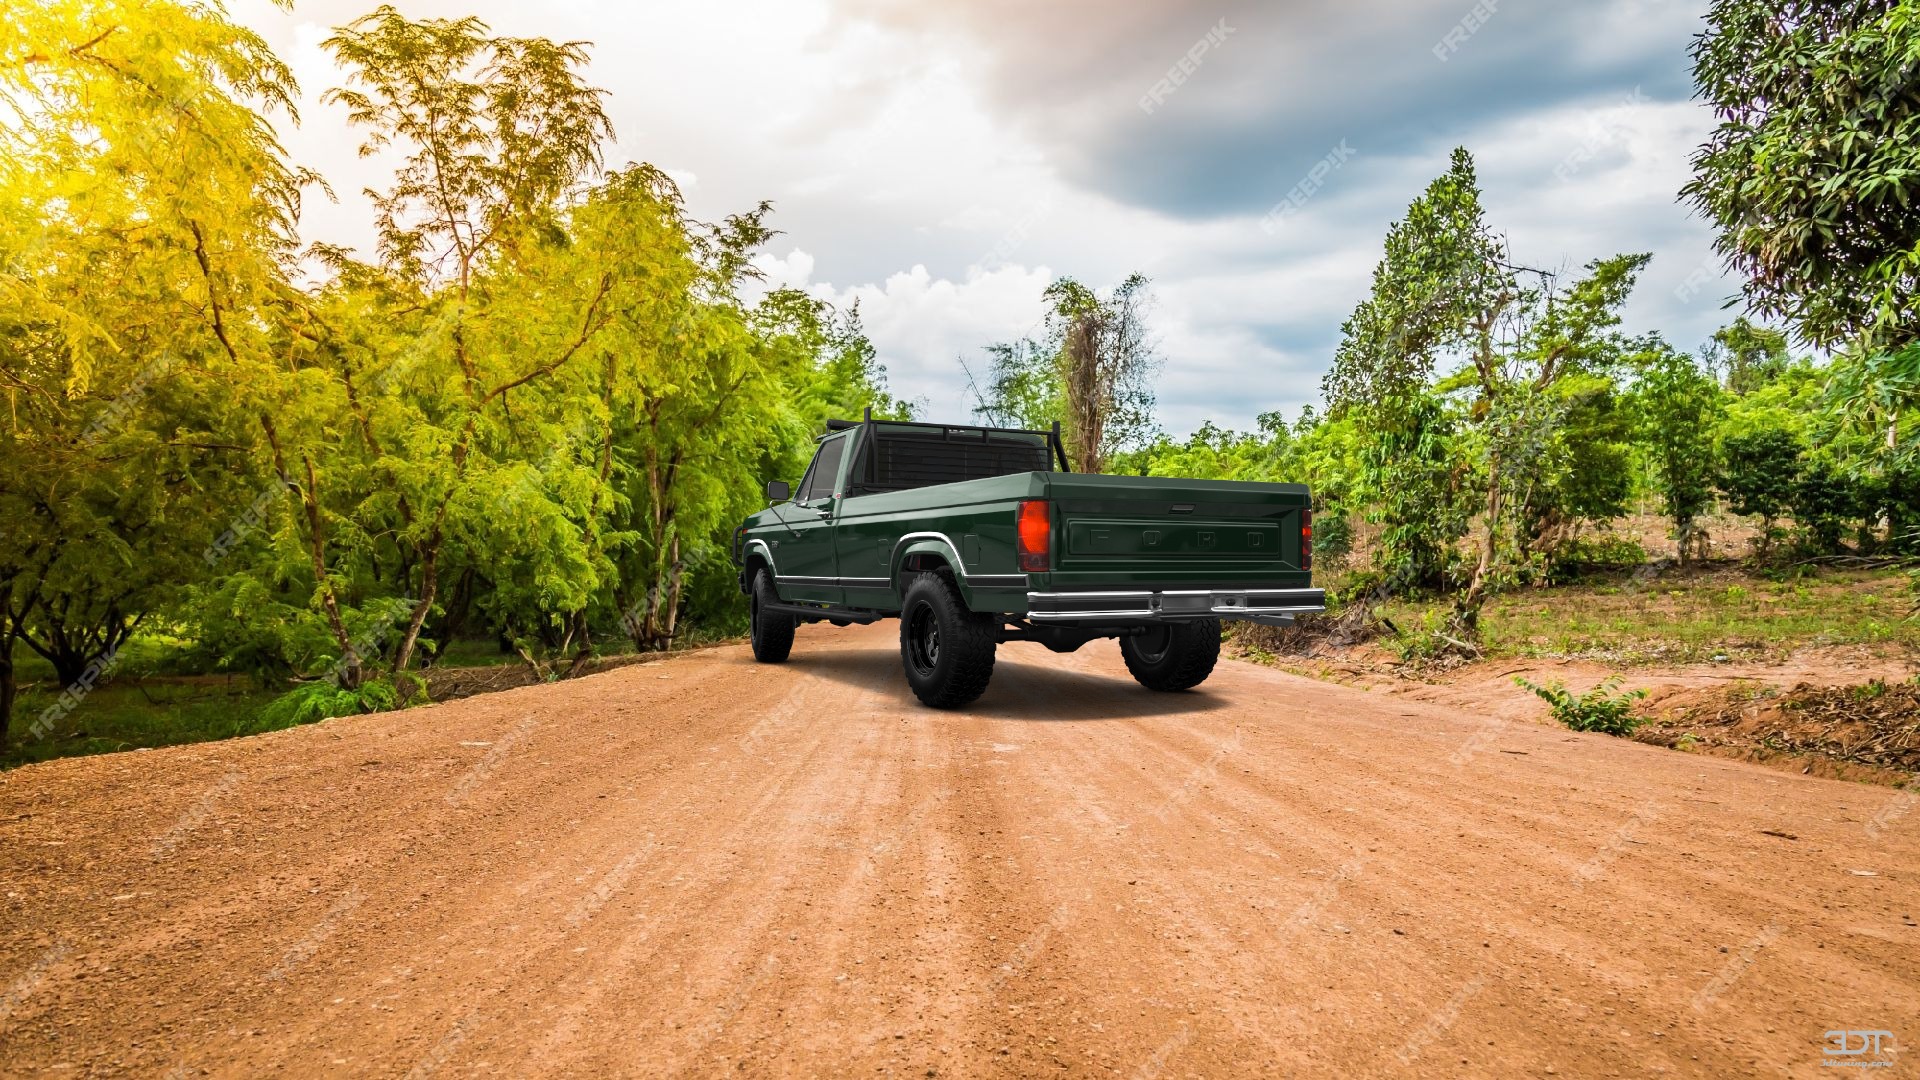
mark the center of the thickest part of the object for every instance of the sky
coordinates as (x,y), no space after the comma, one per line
(941,163)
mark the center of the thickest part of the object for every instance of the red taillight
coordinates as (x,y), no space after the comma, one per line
(1306,540)
(1033,535)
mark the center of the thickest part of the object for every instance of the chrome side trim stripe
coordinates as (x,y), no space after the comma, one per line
(839,582)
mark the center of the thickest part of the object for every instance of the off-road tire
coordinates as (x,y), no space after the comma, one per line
(947,650)
(1173,656)
(772,631)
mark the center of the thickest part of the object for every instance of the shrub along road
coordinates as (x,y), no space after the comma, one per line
(702,864)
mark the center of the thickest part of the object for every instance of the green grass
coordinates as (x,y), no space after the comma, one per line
(119,716)
(1718,614)
(150,702)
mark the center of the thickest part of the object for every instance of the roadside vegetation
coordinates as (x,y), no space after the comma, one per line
(299,481)
(1606,708)
(1712,613)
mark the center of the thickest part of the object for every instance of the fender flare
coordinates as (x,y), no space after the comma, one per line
(757,548)
(928,543)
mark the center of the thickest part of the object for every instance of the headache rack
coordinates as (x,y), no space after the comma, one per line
(984,455)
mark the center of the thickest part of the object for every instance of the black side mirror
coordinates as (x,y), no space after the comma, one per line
(779,491)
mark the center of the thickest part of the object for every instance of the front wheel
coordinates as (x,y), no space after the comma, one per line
(772,631)
(946,649)
(1173,656)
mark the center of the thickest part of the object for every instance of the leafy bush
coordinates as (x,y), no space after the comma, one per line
(1758,471)
(312,702)
(1332,536)
(1600,552)
(1434,639)
(1599,709)
(1824,503)
(1675,404)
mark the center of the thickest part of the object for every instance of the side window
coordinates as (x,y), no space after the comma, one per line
(806,478)
(818,483)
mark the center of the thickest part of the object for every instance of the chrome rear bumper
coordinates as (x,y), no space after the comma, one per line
(1270,605)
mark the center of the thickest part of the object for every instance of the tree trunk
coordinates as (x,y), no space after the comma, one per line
(9,678)
(429,584)
(9,688)
(1083,394)
(533,663)
(1466,612)
(584,654)
(317,551)
(673,591)
(69,666)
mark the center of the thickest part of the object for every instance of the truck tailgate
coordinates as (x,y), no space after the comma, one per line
(1112,530)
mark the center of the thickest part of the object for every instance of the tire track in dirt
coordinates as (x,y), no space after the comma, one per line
(705,865)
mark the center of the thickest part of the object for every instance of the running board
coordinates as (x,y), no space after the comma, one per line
(847,615)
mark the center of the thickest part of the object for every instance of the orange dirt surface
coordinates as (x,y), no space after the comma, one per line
(706,866)
(1742,710)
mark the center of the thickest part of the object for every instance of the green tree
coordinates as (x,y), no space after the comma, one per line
(1446,295)
(1758,472)
(1809,176)
(1584,474)
(1094,373)
(1675,406)
(492,132)
(1410,481)
(1752,356)
(146,209)
(1825,502)
(1441,269)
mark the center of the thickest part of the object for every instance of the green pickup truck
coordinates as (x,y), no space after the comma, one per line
(972,536)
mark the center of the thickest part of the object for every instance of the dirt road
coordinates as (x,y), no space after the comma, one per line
(702,866)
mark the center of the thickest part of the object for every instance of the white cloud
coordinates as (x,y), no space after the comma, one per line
(923,327)
(907,175)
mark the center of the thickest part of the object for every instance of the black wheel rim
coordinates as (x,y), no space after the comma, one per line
(1152,646)
(923,639)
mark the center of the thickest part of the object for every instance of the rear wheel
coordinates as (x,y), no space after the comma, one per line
(946,649)
(1173,656)
(772,631)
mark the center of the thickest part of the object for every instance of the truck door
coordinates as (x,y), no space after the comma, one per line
(803,554)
